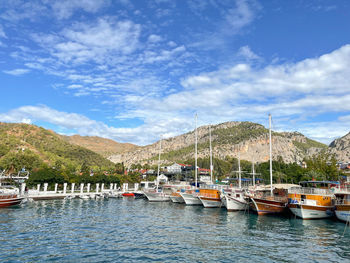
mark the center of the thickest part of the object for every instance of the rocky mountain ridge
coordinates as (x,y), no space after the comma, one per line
(249,140)
(341,148)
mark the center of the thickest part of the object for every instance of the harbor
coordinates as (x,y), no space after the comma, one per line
(113,229)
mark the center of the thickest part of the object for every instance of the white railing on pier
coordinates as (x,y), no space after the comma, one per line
(310,190)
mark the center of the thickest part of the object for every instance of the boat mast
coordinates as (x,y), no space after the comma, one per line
(239,172)
(270,155)
(160,149)
(195,154)
(253,171)
(211,157)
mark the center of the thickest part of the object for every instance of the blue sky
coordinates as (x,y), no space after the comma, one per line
(133,71)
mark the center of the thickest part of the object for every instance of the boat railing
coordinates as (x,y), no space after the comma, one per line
(303,201)
(342,202)
(210,195)
(310,190)
(7,196)
(267,196)
(215,186)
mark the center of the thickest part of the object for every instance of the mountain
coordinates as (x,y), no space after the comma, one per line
(103,146)
(341,148)
(30,146)
(249,140)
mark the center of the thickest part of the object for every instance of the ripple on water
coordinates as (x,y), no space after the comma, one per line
(118,230)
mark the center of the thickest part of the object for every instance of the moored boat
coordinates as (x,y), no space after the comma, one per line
(311,202)
(7,200)
(157,196)
(128,194)
(264,203)
(342,206)
(175,197)
(139,195)
(191,197)
(273,203)
(210,197)
(9,196)
(234,200)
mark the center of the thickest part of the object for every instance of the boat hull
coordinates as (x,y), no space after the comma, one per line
(191,199)
(210,202)
(233,204)
(8,201)
(157,197)
(311,212)
(342,212)
(265,206)
(128,194)
(177,199)
(139,195)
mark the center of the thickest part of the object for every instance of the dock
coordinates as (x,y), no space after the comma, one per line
(80,191)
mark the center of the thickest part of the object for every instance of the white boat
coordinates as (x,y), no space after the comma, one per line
(175,197)
(157,196)
(191,197)
(342,206)
(234,200)
(9,195)
(311,202)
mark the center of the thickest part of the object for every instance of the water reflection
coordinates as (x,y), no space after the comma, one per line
(136,230)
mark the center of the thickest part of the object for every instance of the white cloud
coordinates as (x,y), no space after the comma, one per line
(154,38)
(307,88)
(2,32)
(242,15)
(163,55)
(122,36)
(87,127)
(247,53)
(17,72)
(97,42)
(65,8)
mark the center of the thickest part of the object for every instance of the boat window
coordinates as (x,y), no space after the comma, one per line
(303,197)
(238,195)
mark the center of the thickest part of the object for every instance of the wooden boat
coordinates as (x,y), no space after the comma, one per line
(263,203)
(311,202)
(7,200)
(342,206)
(175,197)
(210,197)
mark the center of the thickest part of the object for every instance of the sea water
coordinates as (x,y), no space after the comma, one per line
(128,230)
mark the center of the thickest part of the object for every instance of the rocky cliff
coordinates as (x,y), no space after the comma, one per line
(341,148)
(249,140)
